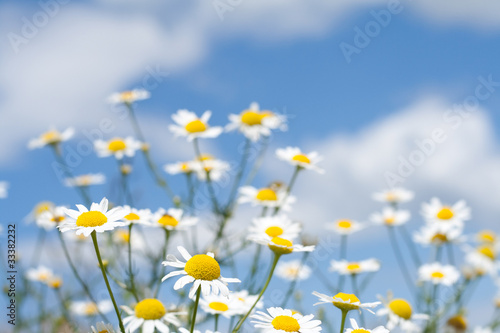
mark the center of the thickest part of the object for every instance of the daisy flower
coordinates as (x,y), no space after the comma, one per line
(456,324)
(52,137)
(217,168)
(51,218)
(255,123)
(221,305)
(436,273)
(39,274)
(246,301)
(297,158)
(282,246)
(400,314)
(393,196)
(39,208)
(283,320)
(356,329)
(137,216)
(179,168)
(266,197)
(436,212)
(151,315)
(274,226)
(482,259)
(102,328)
(482,330)
(345,227)
(438,234)
(345,267)
(390,217)
(85,180)
(55,282)
(173,219)
(118,147)
(293,270)
(202,270)
(129,97)
(487,237)
(183,330)
(192,127)
(122,237)
(345,302)
(3,189)
(84,308)
(98,218)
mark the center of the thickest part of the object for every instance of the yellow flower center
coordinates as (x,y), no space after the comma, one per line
(266,194)
(91,219)
(286,323)
(274,231)
(390,197)
(487,251)
(55,283)
(281,246)
(353,266)
(116,144)
(348,300)
(439,238)
(302,158)
(445,213)
(123,235)
(457,322)
(344,224)
(360,330)
(203,267)
(292,271)
(168,221)
(150,309)
(389,220)
(401,308)
(437,275)
(218,306)
(43,277)
(57,219)
(51,136)
(196,126)
(251,118)
(127,96)
(185,167)
(132,217)
(42,207)
(487,236)
(91,309)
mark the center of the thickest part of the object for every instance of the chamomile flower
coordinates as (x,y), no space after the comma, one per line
(55,282)
(437,212)
(482,259)
(51,218)
(52,137)
(297,158)
(122,237)
(246,301)
(282,246)
(179,168)
(183,330)
(39,274)
(217,169)
(456,324)
(137,216)
(267,197)
(274,226)
(345,302)
(255,123)
(101,327)
(173,219)
(436,273)
(283,320)
(98,218)
(394,196)
(356,329)
(39,208)
(129,97)
(438,234)
(117,147)
(3,189)
(400,314)
(151,315)
(293,270)
(202,270)
(89,309)
(221,305)
(488,237)
(85,180)
(390,217)
(192,127)
(345,267)
(345,227)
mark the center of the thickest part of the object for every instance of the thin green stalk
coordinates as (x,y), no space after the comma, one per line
(258,161)
(239,175)
(163,257)
(209,180)
(64,310)
(343,255)
(193,320)
(130,272)
(289,188)
(342,324)
(293,284)
(255,264)
(357,292)
(216,325)
(400,260)
(411,246)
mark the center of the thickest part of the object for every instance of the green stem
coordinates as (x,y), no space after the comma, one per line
(64,310)
(357,293)
(258,161)
(343,255)
(399,258)
(293,284)
(239,175)
(411,246)
(209,180)
(342,324)
(130,272)
(193,320)
(163,257)
(289,188)
(216,326)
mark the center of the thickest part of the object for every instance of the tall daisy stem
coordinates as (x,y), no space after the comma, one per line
(210,185)
(293,284)
(289,188)
(163,257)
(399,258)
(216,322)
(195,310)
(342,324)
(130,272)
(343,255)
(103,271)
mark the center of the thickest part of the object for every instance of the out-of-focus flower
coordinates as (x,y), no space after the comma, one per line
(297,158)
(217,169)
(482,260)
(345,227)
(247,301)
(138,216)
(437,212)
(51,218)
(101,327)
(394,196)
(52,137)
(345,267)
(192,127)
(86,180)
(282,246)
(283,320)
(390,217)
(151,315)
(266,197)
(40,274)
(179,167)
(90,309)
(400,314)
(117,147)
(173,219)
(274,226)
(456,324)
(345,302)
(221,305)
(438,234)
(122,237)
(293,270)
(436,273)
(356,329)
(38,210)
(55,282)
(129,96)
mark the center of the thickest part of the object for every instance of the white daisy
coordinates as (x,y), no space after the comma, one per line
(437,212)
(202,269)
(84,308)
(296,157)
(102,328)
(482,330)
(488,237)
(356,329)
(37,210)
(254,123)
(266,197)
(247,301)
(86,180)
(183,330)
(394,196)
(282,246)
(283,320)
(122,237)
(129,97)
(218,169)
(52,137)
(98,218)
(345,227)
(40,274)
(274,226)
(4,186)
(293,270)
(438,234)
(151,315)
(51,218)
(192,127)
(118,147)
(436,273)
(221,305)
(390,217)
(345,302)
(137,216)
(179,168)
(173,219)
(345,267)
(482,260)
(400,314)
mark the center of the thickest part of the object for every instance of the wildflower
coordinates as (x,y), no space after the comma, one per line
(394,196)
(345,302)
(283,320)
(122,237)
(151,315)
(217,169)
(293,270)
(117,147)
(137,216)
(438,274)
(173,219)
(356,329)
(345,267)
(438,234)
(40,274)
(246,301)
(391,217)
(482,259)
(51,218)
(221,305)
(297,158)
(86,180)
(192,127)
(266,197)
(129,97)
(84,308)
(437,212)
(400,314)
(180,167)
(282,246)
(274,226)
(102,328)
(457,324)
(52,137)
(345,227)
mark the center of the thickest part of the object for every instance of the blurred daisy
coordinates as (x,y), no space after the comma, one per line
(221,305)
(482,259)
(183,330)
(207,163)
(117,147)
(356,329)
(456,324)
(266,197)
(488,237)
(39,208)
(98,218)
(102,328)
(202,270)
(246,301)
(51,218)
(393,196)
(85,180)
(192,127)
(129,97)
(283,320)
(179,168)
(345,227)
(345,267)
(482,330)
(390,217)
(173,219)
(55,282)
(293,270)
(255,123)
(282,246)
(274,226)
(84,308)
(151,315)
(39,274)
(400,314)
(122,237)
(436,273)
(4,186)
(438,234)
(435,212)
(345,302)
(296,157)
(137,216)
(52,137)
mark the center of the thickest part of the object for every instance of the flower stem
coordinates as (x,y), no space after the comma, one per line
(209,180)
(342,324)
(216,322)
(193,321)
(130,272)
(293,284)
(343,255)
(163,256)
(289,188)
(103,271)
(399,258)
(357,292)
